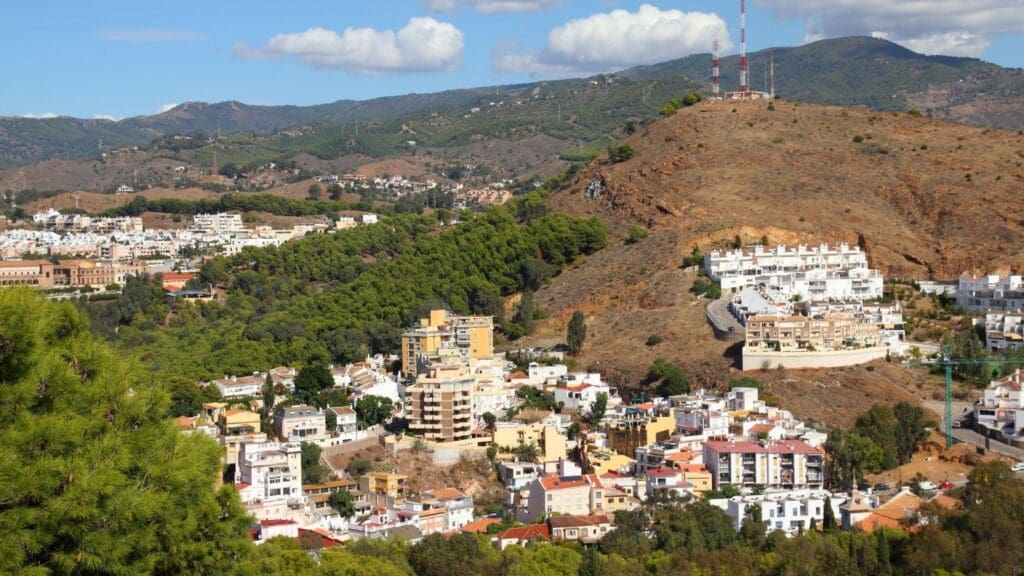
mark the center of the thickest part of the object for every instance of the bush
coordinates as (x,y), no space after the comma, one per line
(858,139)
(915,113)
(620,153)
(654,340)
(636,234)
(692,98)
(704,287)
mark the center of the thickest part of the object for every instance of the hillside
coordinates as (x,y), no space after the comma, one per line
(854,71)
(926,198)
(876,73)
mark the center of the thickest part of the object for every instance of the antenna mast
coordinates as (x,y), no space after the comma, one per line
(772,89)
(743,46)
(716,74)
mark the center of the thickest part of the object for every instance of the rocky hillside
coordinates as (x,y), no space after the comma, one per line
(926,198)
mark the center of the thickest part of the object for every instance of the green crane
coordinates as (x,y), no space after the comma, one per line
(947,362)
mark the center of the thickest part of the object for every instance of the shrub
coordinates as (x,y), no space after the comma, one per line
(915,113)
(858,139)
(654,340)
(620,153)
(636,234)
(692,98)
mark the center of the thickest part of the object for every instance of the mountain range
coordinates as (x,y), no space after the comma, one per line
(854,71)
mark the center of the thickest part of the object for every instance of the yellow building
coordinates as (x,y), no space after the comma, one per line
(441,404)
(625,436)
(615,500)
(551,445)
(238,422)
(472,336)
(602,460)
(384,484)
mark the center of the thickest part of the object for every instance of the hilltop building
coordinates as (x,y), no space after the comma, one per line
(472,337)
(991,292)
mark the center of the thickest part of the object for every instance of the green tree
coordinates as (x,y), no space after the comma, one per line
(343,503)
(313,470)
(670,379)
(853,456)
(489,419)
(879,424)
(310,381)
(526,313)
(334,191)
(527,452)
(373,410)
(598,408)
(94,478)
(186,399)
(358,467)
(828,523)
(576,333)
(911,424)
(621,153)
(692,98)
(315,191)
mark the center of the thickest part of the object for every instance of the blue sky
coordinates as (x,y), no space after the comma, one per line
(122,58)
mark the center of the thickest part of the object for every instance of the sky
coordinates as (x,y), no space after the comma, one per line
(120,58)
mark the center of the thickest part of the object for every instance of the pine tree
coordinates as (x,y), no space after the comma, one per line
(828,523)
(576,334)
(94,478)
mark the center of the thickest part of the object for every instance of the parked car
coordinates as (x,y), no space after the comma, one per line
(946,486)
(882,487)
(927,485)
(1018,467)
(863,486)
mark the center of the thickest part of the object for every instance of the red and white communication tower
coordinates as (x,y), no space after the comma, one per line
(716,73)
(743,45)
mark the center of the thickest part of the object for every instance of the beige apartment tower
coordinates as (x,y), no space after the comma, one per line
(472,337)
(441,404)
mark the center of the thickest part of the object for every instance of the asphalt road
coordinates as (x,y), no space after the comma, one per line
(724,322)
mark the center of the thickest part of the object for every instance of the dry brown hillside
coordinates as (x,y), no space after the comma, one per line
(926,198)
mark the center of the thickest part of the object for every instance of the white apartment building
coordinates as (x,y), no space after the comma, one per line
(569,495)
(222,223)
(1004,331)
(990,293)
(783,465)
(1002,408)
(240,386)
(300,424)
(270,472)
(816,273)
(791,511)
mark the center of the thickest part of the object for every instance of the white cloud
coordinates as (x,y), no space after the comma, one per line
(43,116)
(490,6)
(166,108)
(423,45)
(150,35)
(104,117)
(618,39)
(951,27)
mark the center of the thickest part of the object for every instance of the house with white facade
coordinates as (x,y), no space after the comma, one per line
(780,465)
(270,478)
(990,292)
(1001,408)
(578,392)
(792,511)
(300,424)
(811,273)
(1004,331)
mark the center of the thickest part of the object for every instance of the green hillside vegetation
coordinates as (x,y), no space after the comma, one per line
(244,203)
(336,297)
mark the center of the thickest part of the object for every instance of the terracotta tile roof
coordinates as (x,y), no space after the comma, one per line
(900,505)
(524,533)
(557,483)
(447,493)
(662,473)
(342,483)
(578,521)
(761,428)
(479,526)
(326,541)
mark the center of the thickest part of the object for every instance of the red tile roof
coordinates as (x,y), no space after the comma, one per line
(524,533)
(325,540)
(662,473)
(778,447)
(578,521)
(479,526)
(557,483)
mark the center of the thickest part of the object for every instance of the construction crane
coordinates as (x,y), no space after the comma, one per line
(947,362)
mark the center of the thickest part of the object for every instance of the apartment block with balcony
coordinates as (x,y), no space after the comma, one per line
(990,292)
(300,424)
(1004,331)
(270,472)
(792,511)
(1001,409)
(471,336)
(782,465)
(441,404)
(551,445)
(813,272)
